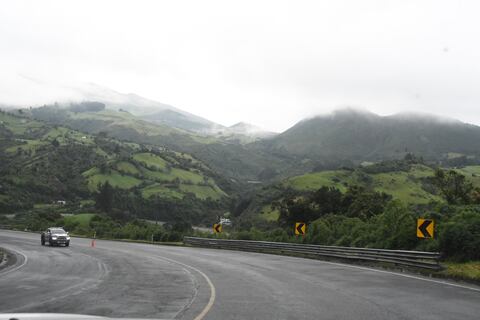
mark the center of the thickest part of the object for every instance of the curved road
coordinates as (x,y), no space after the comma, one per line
(130,280)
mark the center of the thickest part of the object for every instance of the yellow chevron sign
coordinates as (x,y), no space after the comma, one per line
(425,228)
(217,228)
(300,228)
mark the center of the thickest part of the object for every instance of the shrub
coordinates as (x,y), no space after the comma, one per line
(459,238)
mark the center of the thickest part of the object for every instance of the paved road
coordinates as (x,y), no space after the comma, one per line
(135,280)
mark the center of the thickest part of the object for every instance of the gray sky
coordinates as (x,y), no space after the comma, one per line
(270,63)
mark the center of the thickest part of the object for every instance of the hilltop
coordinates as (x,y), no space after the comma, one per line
(357,136)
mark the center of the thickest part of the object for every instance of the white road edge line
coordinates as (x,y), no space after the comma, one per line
(25,259)
(402,275)
(211,300)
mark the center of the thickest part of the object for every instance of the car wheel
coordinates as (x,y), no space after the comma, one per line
(43,241)
(67,244)
(50,243)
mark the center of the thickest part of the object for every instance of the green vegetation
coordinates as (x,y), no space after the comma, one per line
(157,189)
(114,178)
(150,160)
(313,181)
(463,271)
(81,220)
(407,186)
(87,224)
(371,206)
(42,164)
(127,167)
(269,214)
(202,192)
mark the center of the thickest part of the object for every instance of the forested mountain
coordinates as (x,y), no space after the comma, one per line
(362,136)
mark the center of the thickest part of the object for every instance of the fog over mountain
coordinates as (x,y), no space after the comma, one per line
(361,135)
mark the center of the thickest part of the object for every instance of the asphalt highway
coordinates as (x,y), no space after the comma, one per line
(130,280)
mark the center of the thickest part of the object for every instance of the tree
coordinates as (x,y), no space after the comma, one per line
(460,237)
(363,204)
(55,143)
(453,186)
(328,200)
(104,197)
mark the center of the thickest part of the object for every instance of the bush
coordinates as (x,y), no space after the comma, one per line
(459,238)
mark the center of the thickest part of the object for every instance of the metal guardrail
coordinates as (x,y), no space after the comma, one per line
(417,259)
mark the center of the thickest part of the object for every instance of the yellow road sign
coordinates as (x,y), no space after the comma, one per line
(425,228)
(300,228)
(217,228)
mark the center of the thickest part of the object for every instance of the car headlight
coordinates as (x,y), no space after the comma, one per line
(54,238)
(68,238)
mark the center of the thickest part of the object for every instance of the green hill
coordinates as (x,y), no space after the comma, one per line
(410,183)
(356,136)
(403,185)
(230,159)
(43,163)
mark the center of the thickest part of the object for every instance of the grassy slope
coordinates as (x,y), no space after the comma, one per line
(463,271)
(160,190)
(404,186)
(119,119)
(472,173)
(159,177)
(269,214)
(94,177)
(122,173)
(83,219)
(150,160)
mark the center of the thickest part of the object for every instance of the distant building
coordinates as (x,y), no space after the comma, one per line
(225,222)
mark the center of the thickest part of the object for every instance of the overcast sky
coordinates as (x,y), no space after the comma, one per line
(270,63)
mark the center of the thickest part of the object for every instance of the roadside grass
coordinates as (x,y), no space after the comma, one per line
(469,271)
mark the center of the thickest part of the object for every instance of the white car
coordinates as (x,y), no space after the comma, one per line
(55,236)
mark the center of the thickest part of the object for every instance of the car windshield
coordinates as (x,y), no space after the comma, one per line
(57,231)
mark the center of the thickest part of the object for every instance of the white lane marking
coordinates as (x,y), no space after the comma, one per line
(25,260)
(211,300)
(402,275)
